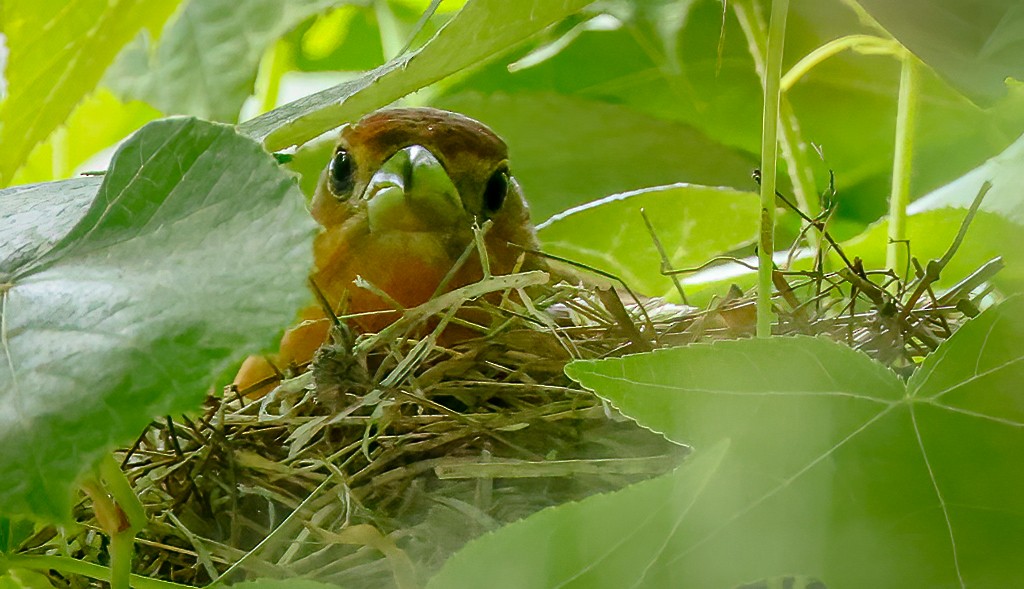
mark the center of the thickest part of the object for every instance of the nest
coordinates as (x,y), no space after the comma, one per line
(374,464)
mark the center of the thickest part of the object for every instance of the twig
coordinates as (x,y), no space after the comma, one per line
(935,267)
(666,263)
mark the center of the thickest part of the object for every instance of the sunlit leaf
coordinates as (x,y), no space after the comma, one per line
(846,106)
(98,123)
(121,304)
(694,223)
(929,235)
(58,52)
(1006,174)
(344,39)
(206,61)
(458,46)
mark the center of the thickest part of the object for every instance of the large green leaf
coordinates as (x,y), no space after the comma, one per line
(846,106)
(693,223)
(206,61)
(1006,174)
(836,468)
(123,304)
(567,150)
(976,45)
(58,52)
(480,31)
(603,541)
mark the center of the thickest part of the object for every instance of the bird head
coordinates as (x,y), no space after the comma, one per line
(399,200)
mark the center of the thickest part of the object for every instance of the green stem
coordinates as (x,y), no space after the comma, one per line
(391,38)
(863,43)
(794,148)
(769,161)
(59,154)
(276,65)
(66,564)
(122,550)
(120,514)
(121,490)
(906,112)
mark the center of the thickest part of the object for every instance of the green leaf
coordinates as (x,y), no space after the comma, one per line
(58,52)
(482,30)
(846,106)
(206,61)
(603,541)
(975,45)
(194,248)
(99,122)
(40,215)
(929,235)
(1006,173)
(836,469)
(13,532)
(785,582)
(568,150)
(693,223)
(345,39)
(24,579)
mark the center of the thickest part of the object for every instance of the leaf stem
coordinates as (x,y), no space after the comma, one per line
(122,550)
(66,564)
(121,490)
(862,43)
(769,161)
(120,514)
(906,113)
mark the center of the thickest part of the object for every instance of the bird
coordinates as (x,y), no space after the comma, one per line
(397,205)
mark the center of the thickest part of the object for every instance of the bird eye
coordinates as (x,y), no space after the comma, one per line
(339,173)
(496,190)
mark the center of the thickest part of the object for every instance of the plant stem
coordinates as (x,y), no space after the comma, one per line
(122,550)
(274,68)
(769,160)
(66,564)
(794,148)
(391,37)
(906,111)
(863,43)
(121,490)
(120,514)
(59,154)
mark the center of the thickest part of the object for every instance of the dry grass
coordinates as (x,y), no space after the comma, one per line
(374,464)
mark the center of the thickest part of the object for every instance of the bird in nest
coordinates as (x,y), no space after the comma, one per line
(398,204)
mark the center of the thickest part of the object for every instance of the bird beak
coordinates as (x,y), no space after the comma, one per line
(413,192)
